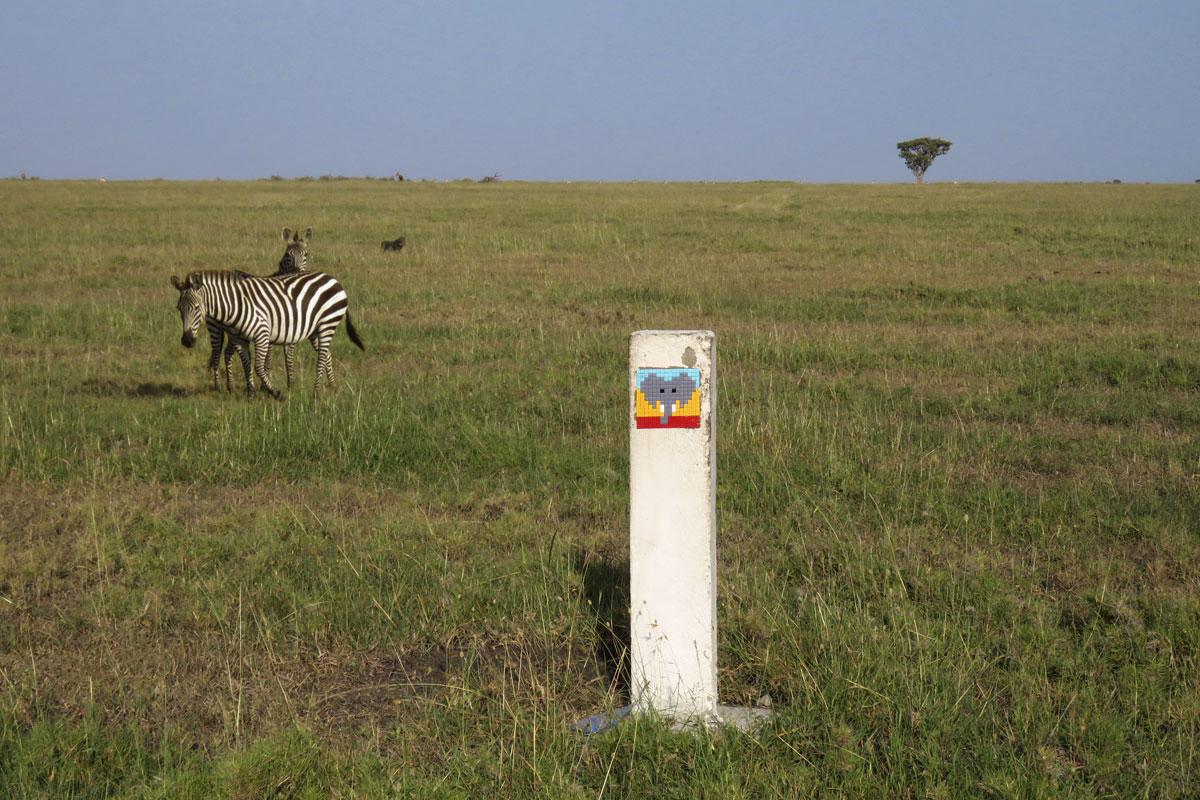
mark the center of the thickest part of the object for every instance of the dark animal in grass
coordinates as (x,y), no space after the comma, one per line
(395,245)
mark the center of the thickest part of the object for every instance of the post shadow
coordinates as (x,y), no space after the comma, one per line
(606,588)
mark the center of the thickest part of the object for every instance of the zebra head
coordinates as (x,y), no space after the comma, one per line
(191,306)
(295,256)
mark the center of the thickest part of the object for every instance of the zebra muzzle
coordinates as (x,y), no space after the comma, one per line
(188,340)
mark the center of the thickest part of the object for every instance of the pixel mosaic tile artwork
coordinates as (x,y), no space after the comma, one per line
(667,398)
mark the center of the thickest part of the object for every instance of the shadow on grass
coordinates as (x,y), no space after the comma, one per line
(161,390)
(606,588)
(108,387)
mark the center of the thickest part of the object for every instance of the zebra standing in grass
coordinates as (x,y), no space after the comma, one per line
(278,309)
(294,259)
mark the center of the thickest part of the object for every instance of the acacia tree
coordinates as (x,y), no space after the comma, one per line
(918,154)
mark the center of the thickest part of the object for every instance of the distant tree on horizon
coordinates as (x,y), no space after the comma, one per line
(918,154)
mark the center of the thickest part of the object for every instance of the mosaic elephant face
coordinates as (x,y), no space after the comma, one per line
(671,392)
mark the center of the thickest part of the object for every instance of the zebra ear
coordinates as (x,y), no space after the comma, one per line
(176,283)
(195,281)
(287,234)
(308,234)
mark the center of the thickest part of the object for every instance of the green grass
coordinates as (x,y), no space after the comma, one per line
(958,502)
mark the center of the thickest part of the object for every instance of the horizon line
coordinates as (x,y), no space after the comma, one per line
(23,178)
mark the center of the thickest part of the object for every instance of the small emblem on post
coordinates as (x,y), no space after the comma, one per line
(668,397)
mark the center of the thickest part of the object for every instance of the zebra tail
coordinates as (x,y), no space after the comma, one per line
(353,333)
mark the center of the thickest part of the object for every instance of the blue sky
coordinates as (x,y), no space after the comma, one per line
(563,90)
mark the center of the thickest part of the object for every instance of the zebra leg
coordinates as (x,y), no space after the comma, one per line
(216,338)
(289,360)
(324,365)
(320,343)
(230,347)
(243,351)
(262,350)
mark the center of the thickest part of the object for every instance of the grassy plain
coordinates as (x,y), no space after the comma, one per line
(959,492)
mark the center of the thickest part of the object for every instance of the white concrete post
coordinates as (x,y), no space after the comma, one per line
(673,523)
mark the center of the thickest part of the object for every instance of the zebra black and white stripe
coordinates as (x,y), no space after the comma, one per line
(278,309)
(294,259)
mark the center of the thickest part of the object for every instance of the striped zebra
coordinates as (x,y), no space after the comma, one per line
(277,309)
(295,255)
(294,259)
